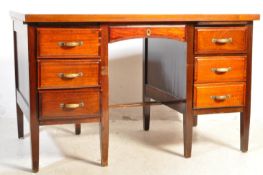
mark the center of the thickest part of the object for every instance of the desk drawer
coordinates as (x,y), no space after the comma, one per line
(220,40)
(219,95)
(68,42)
(220,69)
(118,33)
(69,103)
(67,74)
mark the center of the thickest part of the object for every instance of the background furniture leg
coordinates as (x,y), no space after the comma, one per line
(77,129)
(20,122)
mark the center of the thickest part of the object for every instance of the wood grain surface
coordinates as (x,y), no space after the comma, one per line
(50,73)
(49,38)
(205,35)
(205,69)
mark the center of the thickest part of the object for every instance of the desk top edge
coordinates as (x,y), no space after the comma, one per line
(50,18)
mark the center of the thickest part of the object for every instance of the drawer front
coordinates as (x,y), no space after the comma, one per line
(69,104)
(220,40)
(68,42)
(219,95)
(118,33)
(67,74)
(220,69)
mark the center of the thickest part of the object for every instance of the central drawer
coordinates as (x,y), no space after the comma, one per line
(67,74)
(57,104)
(118,33)
(68,42)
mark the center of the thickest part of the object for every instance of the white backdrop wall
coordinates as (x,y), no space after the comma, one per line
(125,57)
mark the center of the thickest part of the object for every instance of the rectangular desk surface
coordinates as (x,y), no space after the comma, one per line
(29,18)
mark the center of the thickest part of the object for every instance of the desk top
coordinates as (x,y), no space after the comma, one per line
(31,18)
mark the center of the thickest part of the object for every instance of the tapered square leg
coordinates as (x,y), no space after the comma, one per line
(146,109)
(245,115)
(77,129)
(188,114)
(20,122)
(146,115)
(195,120)
(104,120)
(104,142)
(35,146)
(188,120)
(244,130)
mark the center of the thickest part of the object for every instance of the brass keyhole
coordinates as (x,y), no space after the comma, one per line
(148,32)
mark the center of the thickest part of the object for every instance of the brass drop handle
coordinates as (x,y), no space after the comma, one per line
(222,40)
(72,105)
(220,97)
(148,32)
(70,75)
(70,44)
(221,69)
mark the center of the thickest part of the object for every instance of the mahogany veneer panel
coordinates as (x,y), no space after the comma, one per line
(50,103)
(205,73)
(205,35)
(203,95)
(49,39)
(49,73)
(128,32)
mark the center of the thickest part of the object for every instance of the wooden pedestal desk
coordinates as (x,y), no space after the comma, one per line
(195,64)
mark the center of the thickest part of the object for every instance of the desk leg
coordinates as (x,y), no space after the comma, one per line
(195,120)
(104,122)
(146,114)
(244,130)
(77,129)
(104,140)
(34,129)
(188,129)
(245,115)
(19,112)
(33,106)
(146,109)
(20,122)
(188,114)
